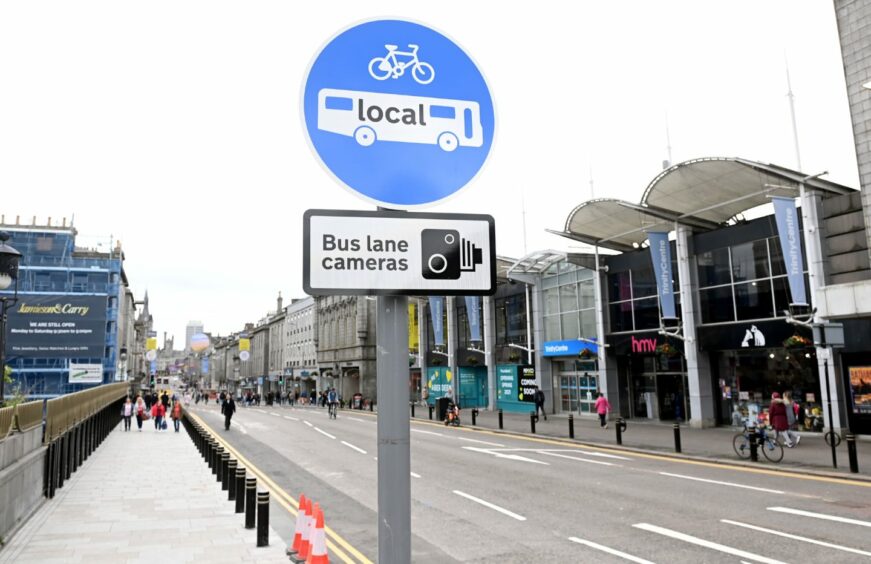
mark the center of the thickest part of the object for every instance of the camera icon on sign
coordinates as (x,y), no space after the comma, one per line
(446,255)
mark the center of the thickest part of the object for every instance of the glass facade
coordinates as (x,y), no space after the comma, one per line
(633,303)
(51,264)
(569,293)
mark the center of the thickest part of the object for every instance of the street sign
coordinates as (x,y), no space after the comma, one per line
(151,355)
(398,253)
(244,355)
(398,113)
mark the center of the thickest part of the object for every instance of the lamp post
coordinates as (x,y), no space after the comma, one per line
(122,365)
(9,258)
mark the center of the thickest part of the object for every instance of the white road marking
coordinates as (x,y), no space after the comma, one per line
(427,432)
(796,537)
(291,418)
(610,551)
(413,475)
(307,423)
(556,454)
(359,420)
(491,505)
(506,456)
(324,433)
(707,544)
(821,516)
(349,445)
(274,414)
(730,484)
(480,442)
(241,428)
(584,452)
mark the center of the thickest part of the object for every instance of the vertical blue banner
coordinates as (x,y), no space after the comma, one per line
(790,244)
(153,367)
(437,310)
(473,313)
(660,252)
(205,366)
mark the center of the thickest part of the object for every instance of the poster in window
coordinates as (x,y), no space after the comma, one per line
(860,386)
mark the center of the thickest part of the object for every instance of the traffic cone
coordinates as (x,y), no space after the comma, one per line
(300,520)
(318,554)
(308,522)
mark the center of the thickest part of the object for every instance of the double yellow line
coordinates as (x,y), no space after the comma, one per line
(341,548)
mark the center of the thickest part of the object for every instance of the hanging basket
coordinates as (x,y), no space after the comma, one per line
(666,349)
(797,341)
(586,354)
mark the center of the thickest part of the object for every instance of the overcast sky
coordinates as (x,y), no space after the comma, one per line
(174,126)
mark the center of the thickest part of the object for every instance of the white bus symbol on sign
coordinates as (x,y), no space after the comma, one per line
(375,116)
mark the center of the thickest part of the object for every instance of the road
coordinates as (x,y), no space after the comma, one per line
(481,496)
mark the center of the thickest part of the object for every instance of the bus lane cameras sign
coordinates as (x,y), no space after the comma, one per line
(398,113)
(384,252)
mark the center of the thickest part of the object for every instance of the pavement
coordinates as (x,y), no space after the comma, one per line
(140,497)
(812,455)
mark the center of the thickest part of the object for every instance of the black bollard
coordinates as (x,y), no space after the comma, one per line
(210,453)
(500,418)
(532,419)
(218,457)
(677,437)
(754,453)
(225,466)
(231,480)
(851,453)
(412,409)
(240,490)
(619,429)
(371,406)
(262,518)
(474,416)
(250,501)
(571,426)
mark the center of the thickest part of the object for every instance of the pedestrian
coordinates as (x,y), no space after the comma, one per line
(228,409)
(127,413)
(314,398)
(187,399)
(141,412)
(158,411)
(176,415)
(164,399)
(778,419)
(603,408)
(539,403)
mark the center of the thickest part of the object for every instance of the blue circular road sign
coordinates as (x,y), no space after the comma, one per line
(398,113)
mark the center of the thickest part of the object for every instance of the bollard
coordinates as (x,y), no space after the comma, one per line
(571,426)
(371,406)
(851,453)
(250,501)
(754,453)
(532,419)
(240,490)
(225,465)
(218,457)
(500,418)
(619,428)
(210,453)
(231,480)
(677,437)
(430,412)
(262,518)
(474,416)
(412,410)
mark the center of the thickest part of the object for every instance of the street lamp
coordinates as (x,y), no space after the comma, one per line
(122,365)
(8,274)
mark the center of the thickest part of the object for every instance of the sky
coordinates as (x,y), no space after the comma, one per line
(174,126)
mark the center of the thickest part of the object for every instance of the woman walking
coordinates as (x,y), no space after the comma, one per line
(141,412)
(127,413)
(603,408)
(176,414)
(777,419)
(158,412)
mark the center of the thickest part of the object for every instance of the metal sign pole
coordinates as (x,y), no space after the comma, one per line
(394,453)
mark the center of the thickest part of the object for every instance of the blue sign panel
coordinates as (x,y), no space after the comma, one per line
(398,113)
(473,313)
(568,347)
(660,252)
(437,309)
(790,245)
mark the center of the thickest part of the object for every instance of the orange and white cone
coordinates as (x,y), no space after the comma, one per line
(318,554)
(307,525)
(297,533)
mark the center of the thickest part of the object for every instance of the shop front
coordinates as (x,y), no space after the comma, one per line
(855,367)
(750,361)
(574,368)
(652,375)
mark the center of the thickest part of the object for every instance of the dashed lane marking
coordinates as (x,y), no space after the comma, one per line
(821,516)
(324,433)
(609,550)
(358,449)
(492,506)
(718,482)
(705,543)
(796,537)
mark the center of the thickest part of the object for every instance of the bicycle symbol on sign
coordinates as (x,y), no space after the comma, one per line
(389,66)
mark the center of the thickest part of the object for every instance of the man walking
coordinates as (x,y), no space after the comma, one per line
(228,408)
(539,403)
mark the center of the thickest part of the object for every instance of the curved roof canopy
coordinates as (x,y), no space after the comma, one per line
(702,193)
(536,262)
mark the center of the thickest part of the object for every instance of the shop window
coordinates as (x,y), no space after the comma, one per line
(588,324)
(568,297)
(621,317)
(569,325)
(716,305)
(646,314)
(643,283)
(551,328)
(619,286)
(587,294)
(750,261)
(754,300)
(713,267)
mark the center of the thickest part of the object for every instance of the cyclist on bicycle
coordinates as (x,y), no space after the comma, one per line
(333,402)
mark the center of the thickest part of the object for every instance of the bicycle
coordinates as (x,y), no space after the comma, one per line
(771,448)
(389,66)
(333,409)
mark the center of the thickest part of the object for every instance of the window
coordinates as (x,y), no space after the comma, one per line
(621,317)
(551,301)
(714,268)
(569,325)
(643,283)
(619,286)
(646,314)
(754,300)
(716,305)
(568,298)
(750,261)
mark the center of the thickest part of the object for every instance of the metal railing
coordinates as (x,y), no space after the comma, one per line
(28,415)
